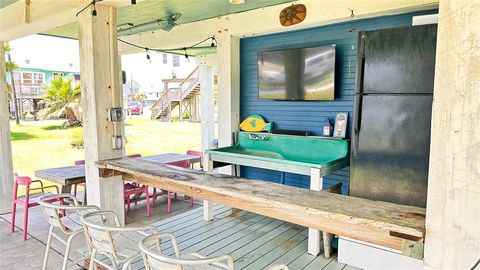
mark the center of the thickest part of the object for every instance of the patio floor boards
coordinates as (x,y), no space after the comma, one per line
(254,241)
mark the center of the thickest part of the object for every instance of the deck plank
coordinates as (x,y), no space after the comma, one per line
(229,248)
(185,226)
(349,267)
(334,265)
(219,237)
(209,230)
(254,241)
(292,254)
(319,263)
(236,237)
(255,254)
(278,251)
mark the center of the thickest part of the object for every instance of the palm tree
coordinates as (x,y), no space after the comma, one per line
(62,96)
(10,66)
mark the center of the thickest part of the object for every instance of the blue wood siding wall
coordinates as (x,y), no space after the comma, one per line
(308,115)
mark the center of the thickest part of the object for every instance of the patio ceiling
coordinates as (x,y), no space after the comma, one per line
(152,10)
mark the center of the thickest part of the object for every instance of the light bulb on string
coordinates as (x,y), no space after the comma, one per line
(185,54)
(148,55)
(94,12)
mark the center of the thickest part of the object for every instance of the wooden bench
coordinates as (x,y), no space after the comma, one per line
(390,225)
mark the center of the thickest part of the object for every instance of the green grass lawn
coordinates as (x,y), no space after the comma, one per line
(44,144)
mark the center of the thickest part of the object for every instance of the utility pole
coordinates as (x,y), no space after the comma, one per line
(17,119)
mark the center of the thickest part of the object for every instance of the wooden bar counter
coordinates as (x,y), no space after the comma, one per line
(395,226)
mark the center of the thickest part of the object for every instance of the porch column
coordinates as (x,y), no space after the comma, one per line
(228,63)
(206,75)
(100,80)
(207,104)
(453,201)
(6,164)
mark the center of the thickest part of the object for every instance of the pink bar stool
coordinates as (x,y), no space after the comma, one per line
(28,201)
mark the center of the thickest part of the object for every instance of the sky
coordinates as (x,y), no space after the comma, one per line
(62,54)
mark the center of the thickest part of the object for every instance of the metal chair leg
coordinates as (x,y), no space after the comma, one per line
(67,252)
(47,248)
(92,260)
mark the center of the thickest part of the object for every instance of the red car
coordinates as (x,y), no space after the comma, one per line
(135,108)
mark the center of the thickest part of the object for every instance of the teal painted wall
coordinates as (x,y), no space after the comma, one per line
(308,115)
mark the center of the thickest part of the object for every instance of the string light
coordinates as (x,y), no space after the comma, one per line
(214,42)
(184,49)
(94,12)
(147,51)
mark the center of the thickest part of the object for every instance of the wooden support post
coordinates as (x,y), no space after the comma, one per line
(453,200)
(207,205)
(101,91)
(6,164)
(180,111)
(206,75)
(228,55)
(316,183)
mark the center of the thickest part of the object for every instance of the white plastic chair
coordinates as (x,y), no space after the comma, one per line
(117,243)
(153,258)
(68,225)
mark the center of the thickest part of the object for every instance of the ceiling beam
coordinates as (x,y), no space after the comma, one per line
(42,15)
(266,21)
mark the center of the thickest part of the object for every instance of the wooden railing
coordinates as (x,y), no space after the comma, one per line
(174,94)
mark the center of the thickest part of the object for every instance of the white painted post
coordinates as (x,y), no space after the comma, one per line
(316,183)
(452,238)
(6,164)
(100,80)
(206,75)
(228,61)
(207,111)
(207,205)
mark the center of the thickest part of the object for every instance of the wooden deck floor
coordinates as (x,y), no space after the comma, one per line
(254,241)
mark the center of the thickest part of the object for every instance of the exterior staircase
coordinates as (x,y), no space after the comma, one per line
(173,97)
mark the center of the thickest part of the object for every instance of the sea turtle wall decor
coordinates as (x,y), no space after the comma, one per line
(293,14)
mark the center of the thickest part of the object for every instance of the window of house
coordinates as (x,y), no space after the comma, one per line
(27,78)
(176,60)
(164,58)
(76,77)
(38,78)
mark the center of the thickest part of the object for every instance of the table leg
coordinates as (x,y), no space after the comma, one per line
(67,188)
(316,183)
(207,205)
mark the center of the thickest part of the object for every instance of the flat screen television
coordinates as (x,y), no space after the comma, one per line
(297,74)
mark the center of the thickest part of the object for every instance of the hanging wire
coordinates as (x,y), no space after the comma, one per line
(94,12)
(184,49)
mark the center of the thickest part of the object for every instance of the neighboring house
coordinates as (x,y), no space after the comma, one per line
(29,84)
(131,88)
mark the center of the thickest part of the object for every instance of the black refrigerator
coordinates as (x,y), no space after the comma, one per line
(392,115)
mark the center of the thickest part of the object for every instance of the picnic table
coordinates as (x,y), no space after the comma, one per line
(70,175)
